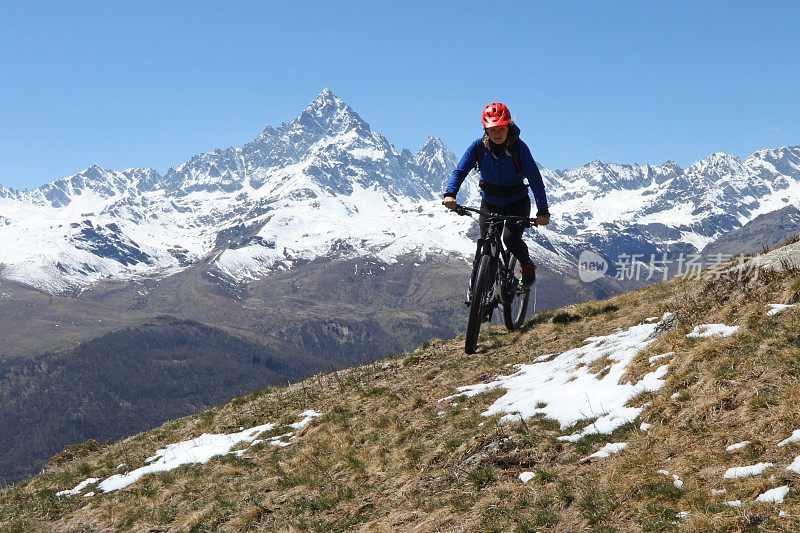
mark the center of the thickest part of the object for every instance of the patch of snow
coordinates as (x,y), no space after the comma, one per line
(644,426)
(78,488)
(709,330)
(526,476)
(737,446)
(794,437)
(746,471)
(795,466)
(607,450)
(682,514)
(777,308)
(657,357)
(651,319)
(308,416)
(677,481)
(775,495)
(193,451)
(734,503)
(717,492)
(564,390)
(663,472)
(367,153)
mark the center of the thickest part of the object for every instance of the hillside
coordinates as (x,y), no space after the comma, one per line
(306,320)
(668,408)
(128,381)
(764,231)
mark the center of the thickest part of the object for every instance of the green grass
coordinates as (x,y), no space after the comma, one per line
(483,476)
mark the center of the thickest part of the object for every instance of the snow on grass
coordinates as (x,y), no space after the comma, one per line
(775,495)
(657,357)
(677,481)
(79,487)
(737,446)
(794,437)
(746,471)
(734,503)
(193,451)
(607,450)
(563,389)
(777,308)
(526,476)
(709,330)
(795,466)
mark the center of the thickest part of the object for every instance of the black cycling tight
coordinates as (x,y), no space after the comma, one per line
(512,232)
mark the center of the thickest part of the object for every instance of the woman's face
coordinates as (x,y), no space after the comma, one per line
(498,134)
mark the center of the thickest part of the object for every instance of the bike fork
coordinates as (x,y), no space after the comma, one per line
(475,262)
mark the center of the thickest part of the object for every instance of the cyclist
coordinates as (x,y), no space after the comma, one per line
(503,161)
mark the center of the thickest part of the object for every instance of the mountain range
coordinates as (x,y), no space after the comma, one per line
(326,185)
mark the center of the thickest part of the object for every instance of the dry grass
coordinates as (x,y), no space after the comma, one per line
(382,458)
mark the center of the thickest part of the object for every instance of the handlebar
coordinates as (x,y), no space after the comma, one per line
(492,217)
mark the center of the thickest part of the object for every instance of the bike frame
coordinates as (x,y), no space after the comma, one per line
(501,276)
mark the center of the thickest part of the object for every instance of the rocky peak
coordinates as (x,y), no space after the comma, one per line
(775,163)
(432,145)
(717,164)
(328,113)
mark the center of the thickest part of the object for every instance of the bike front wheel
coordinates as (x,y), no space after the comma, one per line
(477,308)
(515,302)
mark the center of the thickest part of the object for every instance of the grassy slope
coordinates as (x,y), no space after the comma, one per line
(125,382)
(320,315)
(382,459)
(28,321)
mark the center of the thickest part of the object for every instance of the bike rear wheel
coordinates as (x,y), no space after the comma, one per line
(515,306)
(477,307)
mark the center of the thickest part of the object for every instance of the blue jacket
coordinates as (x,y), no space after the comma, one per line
(500,171)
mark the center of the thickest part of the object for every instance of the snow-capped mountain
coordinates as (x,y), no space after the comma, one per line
(671,208)
(323,184)
(326,185)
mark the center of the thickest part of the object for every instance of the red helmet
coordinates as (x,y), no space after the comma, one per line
(495,114)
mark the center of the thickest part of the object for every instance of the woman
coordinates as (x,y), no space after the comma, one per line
(503,161)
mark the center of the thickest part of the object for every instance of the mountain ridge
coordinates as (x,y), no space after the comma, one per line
(328,164)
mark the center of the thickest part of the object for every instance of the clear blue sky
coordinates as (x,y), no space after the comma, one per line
(149,84)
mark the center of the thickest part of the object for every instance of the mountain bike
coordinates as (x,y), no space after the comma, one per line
(493,282)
